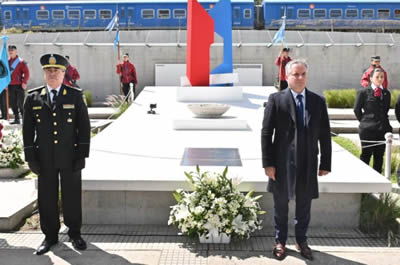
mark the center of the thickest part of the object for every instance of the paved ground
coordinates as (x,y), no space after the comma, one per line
(112,245)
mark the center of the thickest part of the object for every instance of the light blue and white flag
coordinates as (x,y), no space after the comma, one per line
(113,22)
(280,34)
(5,75)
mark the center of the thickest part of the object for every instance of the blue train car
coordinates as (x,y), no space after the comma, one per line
(95,15)
(329,14)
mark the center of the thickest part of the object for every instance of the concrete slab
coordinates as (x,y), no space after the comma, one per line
(351,126)
(18,199)
(348,114)
(145,154)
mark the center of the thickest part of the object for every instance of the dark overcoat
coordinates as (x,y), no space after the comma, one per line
(56,137)
(279,140)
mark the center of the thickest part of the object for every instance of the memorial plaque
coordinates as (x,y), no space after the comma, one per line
(211,157)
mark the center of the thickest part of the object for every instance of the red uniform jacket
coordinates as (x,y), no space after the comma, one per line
(282,74)
(73,75)
(128,71)
(367,74)
(20,74)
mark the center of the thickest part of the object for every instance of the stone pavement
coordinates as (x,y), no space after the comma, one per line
(161,245)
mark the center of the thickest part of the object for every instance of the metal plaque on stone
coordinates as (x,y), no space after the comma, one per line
(211,157)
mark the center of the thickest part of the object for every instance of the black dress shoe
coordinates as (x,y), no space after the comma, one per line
(305,250)
(78,243)
(45,247)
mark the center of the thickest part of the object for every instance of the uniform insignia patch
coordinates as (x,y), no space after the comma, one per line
(68,106)
(64,92)
(37,107)
(43,92)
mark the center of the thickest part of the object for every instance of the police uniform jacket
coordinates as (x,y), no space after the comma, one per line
(56,137)
(371,111)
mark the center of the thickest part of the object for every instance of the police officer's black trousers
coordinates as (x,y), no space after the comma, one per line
(303,200)
(71,195)
(377,151)
(17,96)
(3,104)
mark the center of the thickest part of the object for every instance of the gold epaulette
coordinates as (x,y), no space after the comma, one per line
(35,89)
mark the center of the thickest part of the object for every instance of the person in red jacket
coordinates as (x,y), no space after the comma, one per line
(375,63)
(284,58)
(127,72)
(19,79)
(71,75)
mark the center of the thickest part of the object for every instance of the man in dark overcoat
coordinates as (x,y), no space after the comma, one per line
(56,133)
(295,122)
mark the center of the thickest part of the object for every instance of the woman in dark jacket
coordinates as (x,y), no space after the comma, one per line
(371,109)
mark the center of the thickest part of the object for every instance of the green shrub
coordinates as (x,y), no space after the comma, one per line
(340,98)
(88,97)
(394,94)
(348,145)
(378,216)
(118,102)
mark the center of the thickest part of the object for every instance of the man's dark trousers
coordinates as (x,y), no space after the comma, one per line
(303,200)
(71,201)
(17,96)
(3,104)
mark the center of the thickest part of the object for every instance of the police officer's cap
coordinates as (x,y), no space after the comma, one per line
(286,49)
(53,60)
(126,54)
(12,47)
(376,58)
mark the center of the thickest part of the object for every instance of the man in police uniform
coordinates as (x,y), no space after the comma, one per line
(56,132)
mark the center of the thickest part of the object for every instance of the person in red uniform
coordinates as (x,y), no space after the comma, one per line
(127,72)
(284,58)
(19,79)
(71,75)
(375,63)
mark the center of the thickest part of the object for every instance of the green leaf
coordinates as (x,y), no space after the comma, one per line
(177,196)
(261,212)
(190,177)
(225,171)
(257,197)
(198,169)
(249,194)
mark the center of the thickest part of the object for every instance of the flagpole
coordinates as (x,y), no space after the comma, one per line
(120,75)
(7,104)
(280,66)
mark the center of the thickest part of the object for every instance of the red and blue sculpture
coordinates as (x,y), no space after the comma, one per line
(200,35)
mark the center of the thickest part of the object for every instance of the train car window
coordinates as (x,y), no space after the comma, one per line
(351,13)
(163,13)
(383,13)
(130,12)
(147,13)
(89,14)
(7,15)
(105,14)
(74,14)
(320,13)
(58,14)
(335,13)
(179,13)
(236,12)
(397,13)
(26,14)
(18,14)
(122,13)
(303,13)
(367,13)
(289,13)
(42,14)
(247,13)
